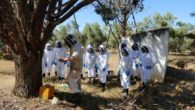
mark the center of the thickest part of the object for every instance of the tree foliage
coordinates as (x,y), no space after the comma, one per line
(94,34)
(156,21)
(118,11)
(178,29)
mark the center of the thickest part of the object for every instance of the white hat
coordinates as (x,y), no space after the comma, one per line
(47,44)
(70,39)
(89,46)
(102,46)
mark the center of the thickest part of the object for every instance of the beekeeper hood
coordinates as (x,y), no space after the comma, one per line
(48,47)
(145,49)
(125,52)
(135,47)
(70,40)
(90,49)
(58,44)
(102,49)
(123,44)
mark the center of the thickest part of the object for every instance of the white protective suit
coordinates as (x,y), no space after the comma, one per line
(48,59)
(102,63)
(90,62)
(148,60)
(124,69)
(60,52)
(135,64)
(121,46)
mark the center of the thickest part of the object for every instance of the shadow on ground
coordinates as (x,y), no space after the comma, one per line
(175,93)
(88,102)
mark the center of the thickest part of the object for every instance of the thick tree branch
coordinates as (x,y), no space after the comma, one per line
(52,6)
(21,17)
(10,28)
(68,5)
(37,23)
(50,12)
(27,12)
(59,5)
(73,10)
(9,42)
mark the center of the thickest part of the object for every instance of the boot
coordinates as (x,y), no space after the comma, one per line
(142,87)
(43,75)
(55,73)
(49,74)
(107,77)
(136,78)
(126,96)
(96,75)
(82,76)
(89,80)
(60,78)
(118,79)
(93,80)
(147,88)
(126,92)
(123,91)
(131,78)
(103,87)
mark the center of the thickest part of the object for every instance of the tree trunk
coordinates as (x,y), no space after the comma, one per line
(124,25)
(28,78)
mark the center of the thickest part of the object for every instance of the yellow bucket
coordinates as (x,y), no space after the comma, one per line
(46,91)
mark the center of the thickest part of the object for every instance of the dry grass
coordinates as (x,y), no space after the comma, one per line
(177,91)
(113,62)
(7,67)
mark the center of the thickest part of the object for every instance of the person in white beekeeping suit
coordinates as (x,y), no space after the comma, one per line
(122,45)
(90,62)
(102,64)
(124,69)
(76,60)
(135,56)
(48,59)
(148,61)
(60,52)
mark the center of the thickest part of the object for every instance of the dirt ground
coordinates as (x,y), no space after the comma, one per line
(176,93)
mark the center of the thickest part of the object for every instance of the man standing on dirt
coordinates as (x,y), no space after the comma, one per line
(76,59)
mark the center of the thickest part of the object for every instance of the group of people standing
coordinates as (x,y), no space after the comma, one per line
(96,63)
(130,60)
(133,59)
(50,60)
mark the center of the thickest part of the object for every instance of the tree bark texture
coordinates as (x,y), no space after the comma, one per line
(124,25)
(26,26)
(28,75)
